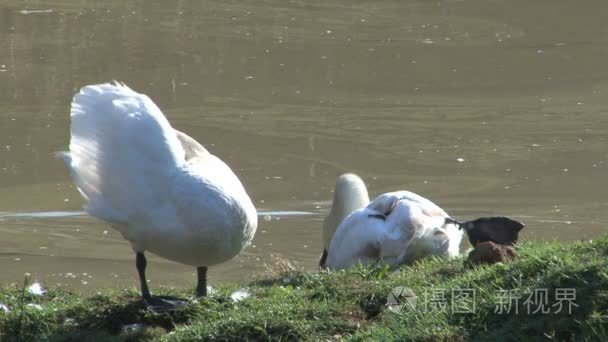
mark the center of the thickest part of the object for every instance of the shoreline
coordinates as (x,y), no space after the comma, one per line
(552,290)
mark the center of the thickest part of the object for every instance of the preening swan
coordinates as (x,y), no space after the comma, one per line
(396,227)
(163,191)
(350,194)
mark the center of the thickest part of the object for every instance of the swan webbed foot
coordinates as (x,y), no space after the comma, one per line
(156,304)
(162,304)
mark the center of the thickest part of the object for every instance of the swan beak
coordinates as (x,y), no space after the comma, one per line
(378,216)
(449,220)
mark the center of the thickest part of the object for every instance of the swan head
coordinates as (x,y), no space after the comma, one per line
(350,194)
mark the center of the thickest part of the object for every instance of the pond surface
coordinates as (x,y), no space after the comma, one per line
(485,107)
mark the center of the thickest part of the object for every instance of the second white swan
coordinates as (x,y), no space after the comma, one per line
(397,227)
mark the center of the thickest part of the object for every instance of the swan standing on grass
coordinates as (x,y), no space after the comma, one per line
(395,228)
(350,194)
(163,191)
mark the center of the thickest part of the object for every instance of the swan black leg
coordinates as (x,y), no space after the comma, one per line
(141,263)
(323,259)
(157,304)
(201,286)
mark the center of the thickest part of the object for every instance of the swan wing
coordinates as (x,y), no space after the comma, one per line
(357,240)
(367,236)
(404,227)
(122,151)
(386,202)
(432,235)
(214,210)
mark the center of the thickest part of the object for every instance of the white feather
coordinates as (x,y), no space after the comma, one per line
(413,227)
(160,188)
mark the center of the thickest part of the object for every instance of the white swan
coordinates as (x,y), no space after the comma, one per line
(396,227)
(350,194)
(157,186)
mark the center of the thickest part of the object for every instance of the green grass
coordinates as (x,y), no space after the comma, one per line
(289,304)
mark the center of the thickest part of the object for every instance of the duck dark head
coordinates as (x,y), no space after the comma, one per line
(501,230)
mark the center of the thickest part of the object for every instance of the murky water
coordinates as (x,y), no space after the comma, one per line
(293,93)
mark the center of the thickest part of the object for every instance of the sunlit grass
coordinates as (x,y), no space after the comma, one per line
(289,304)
